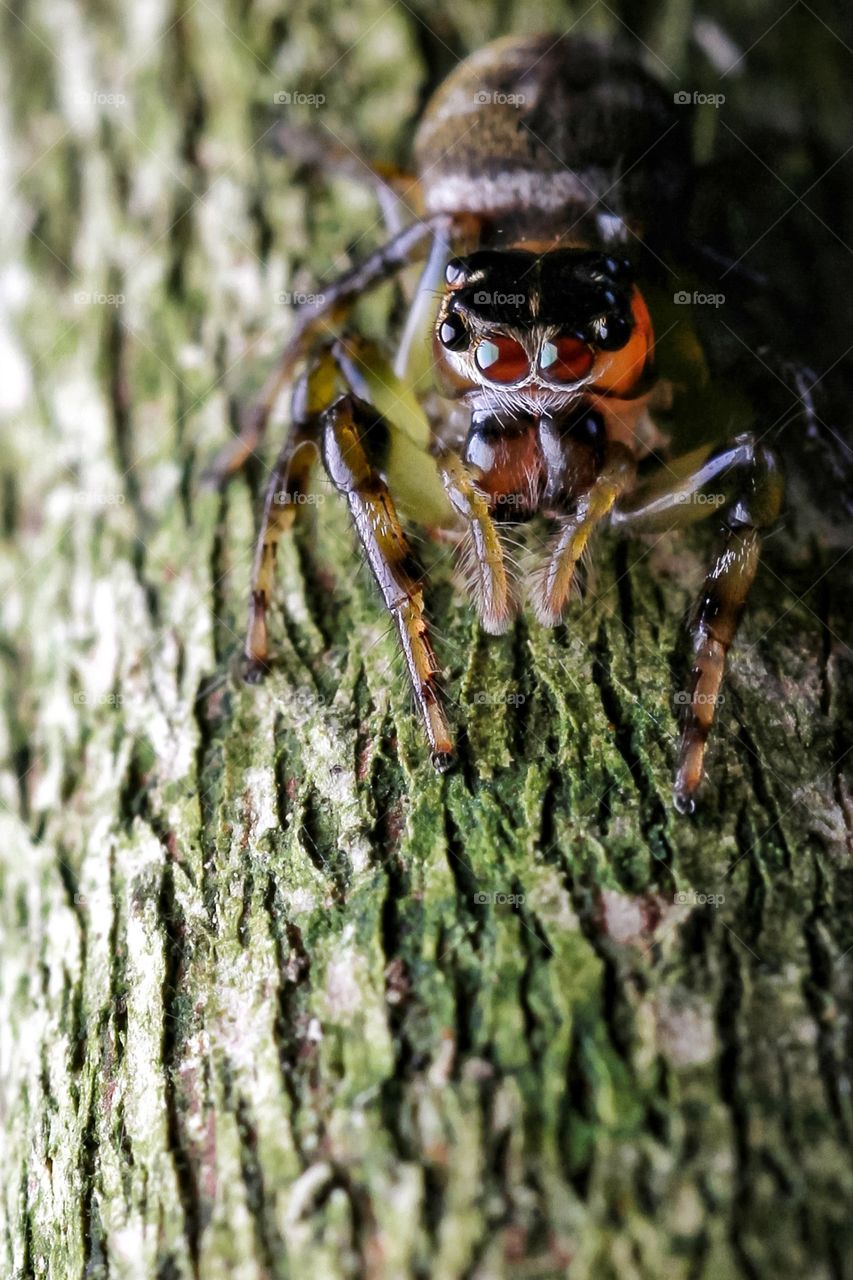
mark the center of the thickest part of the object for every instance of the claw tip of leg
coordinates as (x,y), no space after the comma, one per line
(684,802)
(442,760)
(254,670)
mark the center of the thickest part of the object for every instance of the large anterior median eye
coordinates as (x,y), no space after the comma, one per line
(565,359)
(501,359)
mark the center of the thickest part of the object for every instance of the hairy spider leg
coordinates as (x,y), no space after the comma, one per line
(288,482)
(481,552)
(552,584)
(750,489)
(351,432)
(415,478)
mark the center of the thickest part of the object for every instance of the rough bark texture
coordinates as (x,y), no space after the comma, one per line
(262,1014)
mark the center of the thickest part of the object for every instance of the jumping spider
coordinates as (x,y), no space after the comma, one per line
(543,336)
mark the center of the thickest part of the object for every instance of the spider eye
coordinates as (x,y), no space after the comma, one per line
(612,332)
(618,268)
(454,271)
(453,334)
(501,359)
(565,359)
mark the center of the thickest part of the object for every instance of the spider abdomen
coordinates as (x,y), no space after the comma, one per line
(545,127)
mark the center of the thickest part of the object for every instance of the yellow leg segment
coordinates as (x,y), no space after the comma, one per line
(552,585)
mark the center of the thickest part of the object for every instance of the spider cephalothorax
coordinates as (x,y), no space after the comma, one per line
(541,325)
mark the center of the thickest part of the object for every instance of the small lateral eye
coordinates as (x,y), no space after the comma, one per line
(612,332)
(502,359)
(565,359)
(454,271)
(618,268)
(453,334)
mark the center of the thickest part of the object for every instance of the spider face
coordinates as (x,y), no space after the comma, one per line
(539,326)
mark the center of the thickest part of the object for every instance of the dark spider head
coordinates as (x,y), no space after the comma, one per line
(512,318)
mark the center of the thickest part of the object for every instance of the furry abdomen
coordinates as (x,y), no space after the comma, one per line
(547,126)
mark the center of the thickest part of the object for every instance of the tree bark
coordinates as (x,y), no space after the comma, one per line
(275,1000)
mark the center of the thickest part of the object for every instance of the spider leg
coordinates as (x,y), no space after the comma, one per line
(408,468)
(355,439)
(552,584)
(482,551)
(742,482)
(356,365)
(417,480)
(285,489)
(331,306)
(413,361)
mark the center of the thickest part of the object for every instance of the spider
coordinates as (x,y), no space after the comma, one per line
(525,390)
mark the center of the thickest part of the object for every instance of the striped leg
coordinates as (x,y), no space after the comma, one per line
(285,490)
(741,481)
(352,432)
(712,629)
